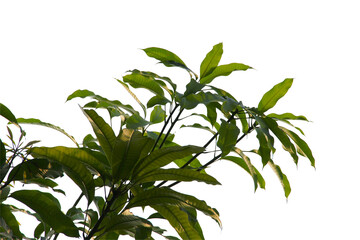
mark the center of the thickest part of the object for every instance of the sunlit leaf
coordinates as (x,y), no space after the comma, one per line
(287,116)
(249,165)
(282,177)
(211,60)
(146,82)
(45,205)
(133,95)
(223,70)
(6,113)
(197,125)
(157,115)
(273,95)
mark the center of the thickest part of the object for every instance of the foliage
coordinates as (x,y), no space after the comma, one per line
(116,172)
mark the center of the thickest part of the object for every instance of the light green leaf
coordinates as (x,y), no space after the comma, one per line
(133,95)
(146,82)
(6,113)
(49,211)
(197,125)
(223,70)
(72,162)
(157,100)
(176,175)
(103,131)
(155,76)
(136,121)
(282,177)
(273,95)
(10,220)
(164,156)
(81,94)
(287,116)
(249,165)
(34,121)
(302,146)
(228,134)
(211,60)
(157,115)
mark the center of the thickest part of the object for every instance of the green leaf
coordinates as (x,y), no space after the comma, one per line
(128,148)
(81,94)
(265,146)
(155,76)
(193,87)
(4,192)
(157,100)
(143,233)
(103,131)
(281,135)
(282,177)
(192,215)
(301,145)
(49,211)
(2,154)
(146,82)
(72,162)
(179,220)
(287,116)
(197,125)
(10,220)
(241,162)
(223,70)
(6,113)
(34,121)
(157,115)
(211,60)
(166,196)
(228,134)
(164,156)
(136,121)
(176,175)
(192,100)
(249,165)
(273,95)
(133,95)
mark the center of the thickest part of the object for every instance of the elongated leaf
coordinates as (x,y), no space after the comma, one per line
(146,82)
(241,162)
(136,121)
(287,116)
(211,60)
(197,125)
(10,220)
(166,196)
(228,134)
(6,113)
(192,100)
(264,148)
(302,146)
(2,154)
(179,220)
(223,70)
(4,192)
(157,115)
(133,95)
(176,175)
(192,215)
(81,94)
(128,148)
(157,100)
(155,76)
(164,156)
(271,97)
(49,211)
(282,177)
(249,165)
(103,131)
(281,135)
(193,87)
(71,160)
(34,121)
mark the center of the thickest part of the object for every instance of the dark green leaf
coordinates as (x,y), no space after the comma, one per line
(48,209)
(10,220)
(192,215)
(72,161)
(193,87)
(273,95)
(136,121)
(143,233)
(264,148)
(228,134)
(302,146)
(211,60)
(192,100)
(157,115)
(176,175)
(2,154)
(223,70)
(164,156)
(6,113)
(157,100)
(4,192)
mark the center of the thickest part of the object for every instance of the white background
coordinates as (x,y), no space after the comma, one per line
(48,49)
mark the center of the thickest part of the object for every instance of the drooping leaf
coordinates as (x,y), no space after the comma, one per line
(10,220)
(223,70)
(176,175)
(34,121)
(103,131)
(228,134)
(2,154)
(136,121)
(302,146)
(193,87)
(157,100)
(241,162)
(72,162)
(157,77)
(166,196)
(44,204)
(264,148)
(249,165)
(164,156)
(281,135)
(287,116)
(157,115)
(6,113)
(192,216)
(146,82)
(133,95)
(282,177)
(211,60)
(273,95)
(197,125)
